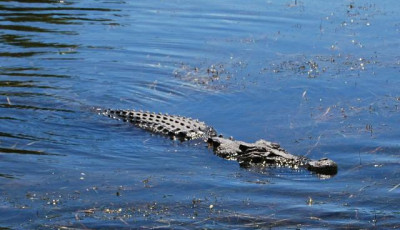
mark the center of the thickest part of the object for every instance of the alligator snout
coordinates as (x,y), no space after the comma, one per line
(323,166)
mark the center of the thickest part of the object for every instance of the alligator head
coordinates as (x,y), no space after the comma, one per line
(266,153)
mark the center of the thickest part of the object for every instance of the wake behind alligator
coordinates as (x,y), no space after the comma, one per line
(260,153)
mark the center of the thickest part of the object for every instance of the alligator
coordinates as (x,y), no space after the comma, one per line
(260,153)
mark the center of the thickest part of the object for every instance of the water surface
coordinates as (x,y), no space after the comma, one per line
(319,78)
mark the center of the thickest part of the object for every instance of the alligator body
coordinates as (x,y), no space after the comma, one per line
(261,152)
(176,127)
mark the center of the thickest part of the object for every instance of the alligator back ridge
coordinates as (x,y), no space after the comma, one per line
(179,127)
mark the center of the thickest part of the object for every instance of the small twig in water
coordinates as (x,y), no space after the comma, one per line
(396,186)
(375,220)
(8,101)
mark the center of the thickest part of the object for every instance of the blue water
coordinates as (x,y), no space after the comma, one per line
(320,78)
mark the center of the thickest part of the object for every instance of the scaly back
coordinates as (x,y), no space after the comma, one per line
(179,127)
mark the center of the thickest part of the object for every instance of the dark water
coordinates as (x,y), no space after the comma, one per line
(321,78)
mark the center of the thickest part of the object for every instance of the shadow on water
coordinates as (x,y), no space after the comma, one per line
(19,72)
(27,107)
(22,84)
(23,151)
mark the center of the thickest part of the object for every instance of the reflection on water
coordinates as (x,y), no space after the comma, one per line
(26,42)
(22,18)
(27,86)
(320,78)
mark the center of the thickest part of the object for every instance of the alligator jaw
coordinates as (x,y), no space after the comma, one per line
(266,153)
